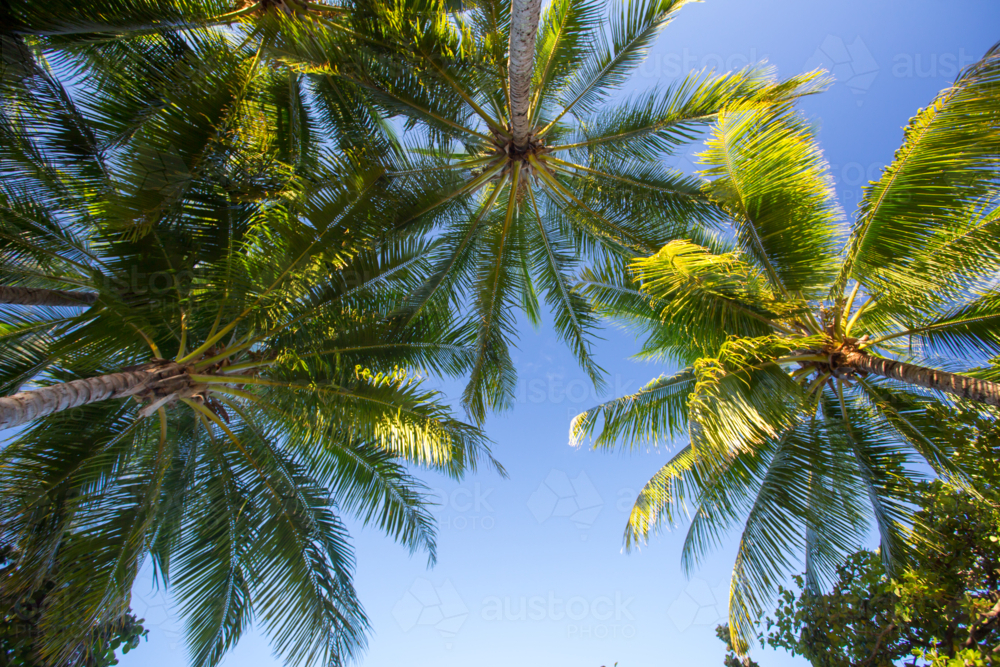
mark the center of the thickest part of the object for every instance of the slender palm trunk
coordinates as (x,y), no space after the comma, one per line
(28,405)
(982,391)
(523,29)
(30,296)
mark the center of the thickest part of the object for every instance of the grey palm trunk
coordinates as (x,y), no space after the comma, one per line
(523,30)
(32,296)
(981,391)
(155,380)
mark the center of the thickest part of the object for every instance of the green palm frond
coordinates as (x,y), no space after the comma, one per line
(914,419)
(371,484)
(553,261)
(655,414)
(632,31)
(881,460)
(665,499)
(702,297)
(925,188)
(566,34)
(653,204)
(968,331)
(769,175)
(789,515)
(492,377)
(737,410)
(959,260)
(656,123)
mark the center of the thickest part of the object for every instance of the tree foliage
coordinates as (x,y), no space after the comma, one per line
(20,629)
(518,221)
(942,609)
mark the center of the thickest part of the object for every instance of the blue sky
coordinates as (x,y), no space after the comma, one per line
(530,569)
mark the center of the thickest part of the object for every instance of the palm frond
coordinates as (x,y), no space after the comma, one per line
(925,187)
(632,32)
(771,178)
(654,415)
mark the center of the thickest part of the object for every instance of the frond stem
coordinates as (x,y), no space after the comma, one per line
(620,179)
(493,123)
(850,302)
(854,318)
(818,382)
(633,243)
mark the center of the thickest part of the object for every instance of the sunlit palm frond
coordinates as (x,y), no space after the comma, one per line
(655,414)
(769,175)
(925,189)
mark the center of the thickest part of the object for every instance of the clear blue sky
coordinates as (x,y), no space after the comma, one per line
(530,569)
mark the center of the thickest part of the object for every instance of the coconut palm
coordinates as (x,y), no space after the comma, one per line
(518,160)
(181,122)
(808,369)
(222,431)
(234,382)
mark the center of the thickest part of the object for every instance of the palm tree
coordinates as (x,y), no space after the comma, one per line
(256,381)
(65,179)
(251,407)
(808,372)
(514,159)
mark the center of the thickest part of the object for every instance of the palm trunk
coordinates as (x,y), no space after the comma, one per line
(30,296)
(523,29)
(28,405)
(982,391)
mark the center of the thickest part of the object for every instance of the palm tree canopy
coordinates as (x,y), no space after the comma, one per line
(292,395)
(519,218)
(797,430)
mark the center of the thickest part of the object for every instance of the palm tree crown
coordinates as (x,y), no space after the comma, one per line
(519,167)
(805,413)
(230,378)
